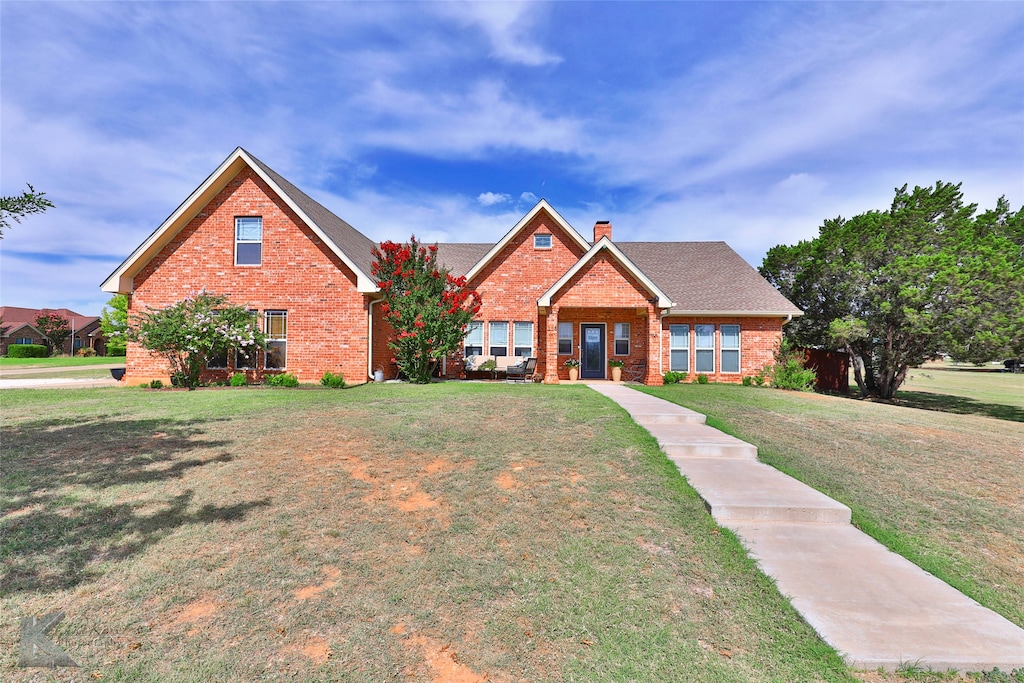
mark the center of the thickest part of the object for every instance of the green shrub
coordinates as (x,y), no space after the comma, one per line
(748,381)
(789,371)
(156,384)
(285,379)
(702,378)
(238,380)
(117,351)
(26,351)
(489,364)
(674,377)
(615,363)
(333,381)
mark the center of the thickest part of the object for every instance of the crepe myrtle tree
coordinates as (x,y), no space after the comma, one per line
(190,331)
(427,307)
(55,328)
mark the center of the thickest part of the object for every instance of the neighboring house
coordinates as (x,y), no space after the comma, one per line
(547,291)
(19,324)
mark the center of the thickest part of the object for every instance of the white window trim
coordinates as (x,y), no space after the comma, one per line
(238,241)
(465,341)
(266,355)
(616,339)
(551,241)
(689,328)
(738,349)
(490,339)
(696,348)
(571,338)
(515,346)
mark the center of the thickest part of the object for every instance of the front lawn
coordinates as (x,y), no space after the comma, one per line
(462,532)
(945,490)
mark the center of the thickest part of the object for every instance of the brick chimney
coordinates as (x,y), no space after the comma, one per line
(602,229)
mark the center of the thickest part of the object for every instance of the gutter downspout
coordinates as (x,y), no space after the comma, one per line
(369,340)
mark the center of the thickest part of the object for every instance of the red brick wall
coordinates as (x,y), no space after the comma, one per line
(327,317)
(759,339)
(515,279)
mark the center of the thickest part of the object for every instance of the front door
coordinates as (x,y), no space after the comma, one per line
(592,353)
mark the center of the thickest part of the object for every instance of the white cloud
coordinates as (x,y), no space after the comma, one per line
(529,197)
(492,198)
(508,25)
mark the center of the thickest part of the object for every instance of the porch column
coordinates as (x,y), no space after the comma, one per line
(655,347)
(551,348)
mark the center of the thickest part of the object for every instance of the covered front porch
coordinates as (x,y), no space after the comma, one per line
(595,336)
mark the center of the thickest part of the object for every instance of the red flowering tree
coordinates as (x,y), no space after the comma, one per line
(55,328)
(428,308)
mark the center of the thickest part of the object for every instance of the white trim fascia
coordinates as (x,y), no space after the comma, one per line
(733,314)
(121,280)
(663,301)
(523,222)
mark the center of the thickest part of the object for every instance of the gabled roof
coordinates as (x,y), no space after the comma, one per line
(351,246)
(542,205)
(605,244)
(16,318)
(707,278)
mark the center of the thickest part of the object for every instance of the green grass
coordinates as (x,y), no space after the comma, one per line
(965,390)
(59,361)
(942,489)
(383,532)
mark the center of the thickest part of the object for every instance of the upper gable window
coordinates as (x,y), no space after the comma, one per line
(248,241)
(541,241)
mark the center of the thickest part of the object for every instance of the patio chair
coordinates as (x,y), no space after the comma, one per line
(637,372)
(523,372)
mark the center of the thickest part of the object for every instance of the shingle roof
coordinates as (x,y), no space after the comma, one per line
(706,276)
(355,244)
(459,257)
(16,317)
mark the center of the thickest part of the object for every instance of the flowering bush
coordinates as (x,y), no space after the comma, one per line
(615,363)
(572,363)
(428,308)
(188,332)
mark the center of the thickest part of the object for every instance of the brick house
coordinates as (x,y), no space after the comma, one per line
(547,291)
(19,327)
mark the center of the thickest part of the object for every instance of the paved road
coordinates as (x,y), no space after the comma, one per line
(10,377)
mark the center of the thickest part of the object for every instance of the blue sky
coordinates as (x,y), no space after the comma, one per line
(745,122)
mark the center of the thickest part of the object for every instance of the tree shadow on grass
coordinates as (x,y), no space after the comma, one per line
(959,405)
(56,528)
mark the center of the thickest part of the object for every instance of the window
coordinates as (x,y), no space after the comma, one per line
(522,340)
(23,340)
(474,339)
(277,340)
(541,241)
(679,348)
(621,339)
(498,337)
(217,360)
(245,358)
(248,241)
(565,339)
(705,356)
(730,348)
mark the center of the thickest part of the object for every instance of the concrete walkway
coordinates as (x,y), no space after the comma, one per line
(874,607)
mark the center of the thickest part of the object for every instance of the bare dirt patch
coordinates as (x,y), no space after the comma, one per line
(331,581)
(443,662)
(505,481)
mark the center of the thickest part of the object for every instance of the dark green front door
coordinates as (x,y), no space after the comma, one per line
(592,355)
